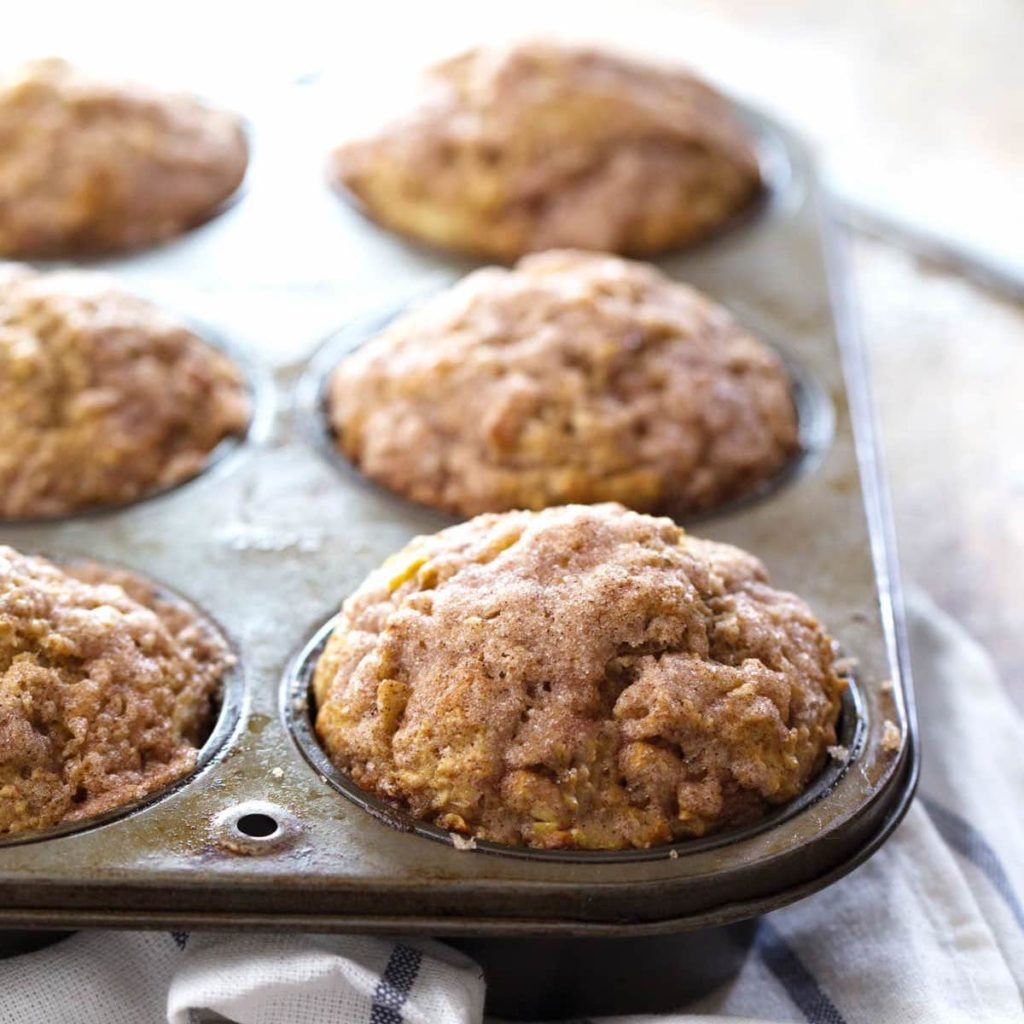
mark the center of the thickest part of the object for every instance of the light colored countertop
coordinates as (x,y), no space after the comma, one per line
(948,370)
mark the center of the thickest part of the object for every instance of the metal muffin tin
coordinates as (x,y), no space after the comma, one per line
(266,833)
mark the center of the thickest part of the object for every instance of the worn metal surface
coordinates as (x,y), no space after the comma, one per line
(271,542)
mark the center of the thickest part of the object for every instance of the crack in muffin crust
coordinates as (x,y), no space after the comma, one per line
(106,690)
(539,146)
(582,677)
(88,166)
(572,378)
(103,398)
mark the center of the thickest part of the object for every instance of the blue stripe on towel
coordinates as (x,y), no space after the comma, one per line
(780,958)
(395,985)
(963,837)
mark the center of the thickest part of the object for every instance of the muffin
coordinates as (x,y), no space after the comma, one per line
(582,677)
(103,398)
(573,377)
(542,146)
(106,690)
(89,166)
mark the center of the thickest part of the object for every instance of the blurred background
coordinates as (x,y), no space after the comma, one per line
(916,108)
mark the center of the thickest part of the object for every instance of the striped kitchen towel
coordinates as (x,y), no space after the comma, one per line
(931,929)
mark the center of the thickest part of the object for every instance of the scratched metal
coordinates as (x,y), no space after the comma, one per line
(272,540)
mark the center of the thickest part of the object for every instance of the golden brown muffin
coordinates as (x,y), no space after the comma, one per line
(103,398)
(579,677)
(541,146)
(89,166)
(572,378)
(106,690)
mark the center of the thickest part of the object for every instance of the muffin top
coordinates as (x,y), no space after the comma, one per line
(572,378)
(581,677)
(540,146)
(103,398)
(90,166)
(105,690)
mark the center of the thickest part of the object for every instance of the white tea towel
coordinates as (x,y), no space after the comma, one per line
(931,929)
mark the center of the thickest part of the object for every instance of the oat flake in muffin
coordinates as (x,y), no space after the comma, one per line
(536,146)
(106,690)
(582,677)
(572,378)
(89,166)
(103,397)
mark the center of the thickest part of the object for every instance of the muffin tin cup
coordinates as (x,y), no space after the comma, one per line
(815,420)
(782,187)
(220,460)
(267,834)
(299,713)
(225,715)
(103,260)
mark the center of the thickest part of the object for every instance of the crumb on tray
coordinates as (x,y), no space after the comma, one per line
(891,736)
